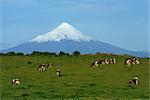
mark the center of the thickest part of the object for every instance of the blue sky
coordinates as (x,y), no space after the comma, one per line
(123,23)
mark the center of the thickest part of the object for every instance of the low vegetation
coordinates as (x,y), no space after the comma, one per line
(78,80)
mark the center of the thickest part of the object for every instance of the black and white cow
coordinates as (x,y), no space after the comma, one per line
(42,67)
(134,81)
(58,72)
(16,81)
(49,65)
(128,62)
(101,62)
(114,60)
(106,61)
(94,64)
(111,61)
(132,61)
(136,61)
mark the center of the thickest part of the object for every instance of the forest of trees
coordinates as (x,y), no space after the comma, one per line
(61,53)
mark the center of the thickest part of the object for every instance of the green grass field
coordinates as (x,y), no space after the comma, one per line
(78,81)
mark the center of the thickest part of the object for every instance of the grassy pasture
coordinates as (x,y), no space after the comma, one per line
(78,82)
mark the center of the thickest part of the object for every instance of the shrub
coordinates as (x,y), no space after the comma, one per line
(10,53)
(62,53)
(19,54)
(76,53)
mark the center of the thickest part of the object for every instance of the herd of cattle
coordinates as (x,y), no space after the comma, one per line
(127,62)
(97,63)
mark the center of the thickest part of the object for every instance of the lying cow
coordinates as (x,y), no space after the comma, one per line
(16,81)
(134,81)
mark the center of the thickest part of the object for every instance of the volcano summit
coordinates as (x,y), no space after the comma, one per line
(64,31)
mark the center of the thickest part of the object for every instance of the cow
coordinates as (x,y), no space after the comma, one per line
(128,62)
(106,61)
(49,65)
(136,60)
(114,60)
(58,73)
(94,64)
(101,62)
(42,67)
(16,81)
(134,81)
(111,61)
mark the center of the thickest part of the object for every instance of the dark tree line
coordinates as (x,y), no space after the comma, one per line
(61,53)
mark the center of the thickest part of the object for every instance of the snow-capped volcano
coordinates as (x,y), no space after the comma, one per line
(64,31)
(68,39)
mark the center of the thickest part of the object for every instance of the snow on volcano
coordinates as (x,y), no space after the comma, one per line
(64,31)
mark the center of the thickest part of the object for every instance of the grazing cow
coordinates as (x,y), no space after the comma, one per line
(106,61)
(101,62)
(114,60)
(16,81)
(128,62)
(94,64)
(134,81)
(42,67)
(111,61)
(137,61)
(49,65)
(58,72)
(132,61)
